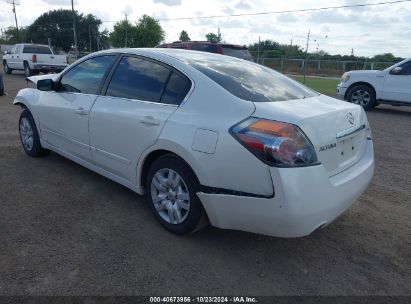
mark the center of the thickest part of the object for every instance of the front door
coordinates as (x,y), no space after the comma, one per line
(397,85)
(64,113)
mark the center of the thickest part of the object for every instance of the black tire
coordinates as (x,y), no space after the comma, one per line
(362,95)
(6,68)
(195,218)
(35,149)
(27,70)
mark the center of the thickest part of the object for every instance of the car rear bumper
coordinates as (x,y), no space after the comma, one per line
(49,67)
(305,199)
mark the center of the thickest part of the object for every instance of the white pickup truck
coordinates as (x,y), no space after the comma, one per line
(370,88)
(33,58)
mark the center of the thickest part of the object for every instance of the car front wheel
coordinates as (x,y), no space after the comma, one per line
(29,136)
(171,189)
(362,95)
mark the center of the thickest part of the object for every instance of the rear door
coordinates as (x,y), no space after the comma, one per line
(397,84)
(18,58)
(64,114)
(140,97)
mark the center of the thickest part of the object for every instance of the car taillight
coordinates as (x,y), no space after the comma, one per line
(34,58)
(275,143)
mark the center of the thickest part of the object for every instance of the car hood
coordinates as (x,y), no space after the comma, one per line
(365,73)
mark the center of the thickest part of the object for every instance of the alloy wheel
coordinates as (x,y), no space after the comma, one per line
(26,134)
(361,97)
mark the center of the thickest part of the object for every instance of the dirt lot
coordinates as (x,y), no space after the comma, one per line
(65,230)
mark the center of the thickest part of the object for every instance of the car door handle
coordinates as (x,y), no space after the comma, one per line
(81,111)
(150,120)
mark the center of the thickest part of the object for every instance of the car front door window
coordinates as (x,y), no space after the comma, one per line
(87,77)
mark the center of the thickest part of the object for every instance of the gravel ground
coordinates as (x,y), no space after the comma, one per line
(65,230)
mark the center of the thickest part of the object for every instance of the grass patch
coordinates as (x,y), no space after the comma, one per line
(324,86)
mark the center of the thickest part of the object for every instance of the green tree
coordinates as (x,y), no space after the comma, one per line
(58,26)
(184,36)
(104,39)
(121,30)
(388,57)
(147,32)
(213,37)
(10,35)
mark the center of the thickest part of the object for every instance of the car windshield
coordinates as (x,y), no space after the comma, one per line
(248,80)
(238,52)
(37,49)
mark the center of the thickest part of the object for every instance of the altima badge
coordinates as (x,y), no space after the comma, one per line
(350,118)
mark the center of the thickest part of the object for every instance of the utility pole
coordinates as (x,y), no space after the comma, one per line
(125,44)
(89,36)
(74,30)
(14,3)
(306,53)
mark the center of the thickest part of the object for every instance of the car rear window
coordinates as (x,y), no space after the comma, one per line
(207,47)
(37,49)
(177,88)
(238,52)
(250,81)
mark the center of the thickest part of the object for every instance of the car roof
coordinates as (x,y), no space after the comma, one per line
(205,42)
(181,55)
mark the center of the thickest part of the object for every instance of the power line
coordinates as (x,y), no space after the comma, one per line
(285,11)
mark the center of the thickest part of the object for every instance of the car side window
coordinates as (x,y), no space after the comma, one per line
(137,78)
(406,68)
(210,48)
(87,76)
(18,49)
(176,89)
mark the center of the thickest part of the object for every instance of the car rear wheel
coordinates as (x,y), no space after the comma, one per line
(6,68)
(362,95)
(171,190)
(29,136)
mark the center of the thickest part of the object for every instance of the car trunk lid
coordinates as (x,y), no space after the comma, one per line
(336,129)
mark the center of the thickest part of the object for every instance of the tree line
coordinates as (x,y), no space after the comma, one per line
(56,28)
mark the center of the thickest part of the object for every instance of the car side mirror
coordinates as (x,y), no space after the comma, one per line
(396,71)
(45,85)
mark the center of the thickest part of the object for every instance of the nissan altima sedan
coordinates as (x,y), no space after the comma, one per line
(208,138)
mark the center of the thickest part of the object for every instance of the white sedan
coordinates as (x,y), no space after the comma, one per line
(208,138)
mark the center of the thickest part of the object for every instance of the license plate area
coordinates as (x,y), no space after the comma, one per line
(350,148)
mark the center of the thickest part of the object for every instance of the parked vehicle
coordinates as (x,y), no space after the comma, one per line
(233,50)
(370,88)
(33,59)
(206,137)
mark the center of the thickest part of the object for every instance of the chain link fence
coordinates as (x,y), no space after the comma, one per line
(318,67)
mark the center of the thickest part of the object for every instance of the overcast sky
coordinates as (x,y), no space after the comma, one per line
(368,30)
